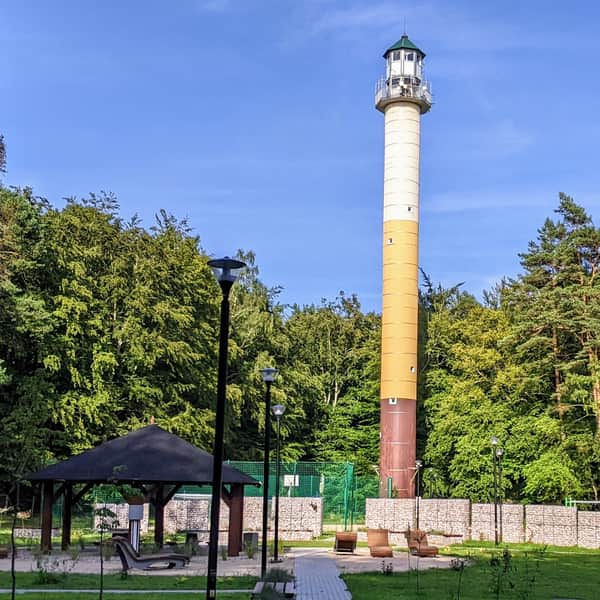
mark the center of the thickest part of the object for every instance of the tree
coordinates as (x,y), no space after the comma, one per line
(337,347)
(2,155)
(554,308)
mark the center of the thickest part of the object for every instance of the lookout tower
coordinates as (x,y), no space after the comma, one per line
(402,96)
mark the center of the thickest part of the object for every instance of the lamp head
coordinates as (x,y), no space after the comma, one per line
(499,452)
(494,441)
(226,269)
(269,374)
(418,463)
(278,410)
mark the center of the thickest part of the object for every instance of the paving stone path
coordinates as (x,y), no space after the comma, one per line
(317,578)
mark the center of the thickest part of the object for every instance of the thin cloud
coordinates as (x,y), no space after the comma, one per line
(440,23)
(356,17)
(454,202)
(500,140)
(214,6)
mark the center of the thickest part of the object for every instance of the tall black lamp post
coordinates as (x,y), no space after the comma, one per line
(418,465)
(268,376)
(499,455)
(278,411)
(494,442)
(226,272)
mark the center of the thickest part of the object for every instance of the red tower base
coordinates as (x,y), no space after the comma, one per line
(398,448)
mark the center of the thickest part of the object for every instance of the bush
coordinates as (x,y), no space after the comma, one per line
(250,549)
(276,574)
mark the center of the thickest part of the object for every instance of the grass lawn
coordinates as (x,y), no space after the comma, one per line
(109,596)
(531,575)
(78,581)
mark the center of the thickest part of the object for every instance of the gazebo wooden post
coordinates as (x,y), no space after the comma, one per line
(47,501)
(159,516)
(66,516)
(235,501)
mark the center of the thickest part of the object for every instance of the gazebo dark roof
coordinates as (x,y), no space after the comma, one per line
(149,454)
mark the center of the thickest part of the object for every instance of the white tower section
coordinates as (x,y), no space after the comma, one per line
(402,95)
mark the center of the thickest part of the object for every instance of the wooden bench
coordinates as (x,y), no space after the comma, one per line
(418,545)
(378,542)
(345,541)
(288,589)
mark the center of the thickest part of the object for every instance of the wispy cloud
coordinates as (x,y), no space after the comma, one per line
(485,199)
(357,17)
(500,140)
(215,6)
(447,26)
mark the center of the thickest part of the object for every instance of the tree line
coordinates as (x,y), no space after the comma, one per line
(105,325)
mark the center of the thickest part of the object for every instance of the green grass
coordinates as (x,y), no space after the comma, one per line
(529,575)
(472,546)
(76,581)
(83,596)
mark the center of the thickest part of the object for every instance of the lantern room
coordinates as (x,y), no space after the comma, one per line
(403,76)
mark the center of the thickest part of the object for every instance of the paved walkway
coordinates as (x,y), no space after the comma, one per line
(317,577)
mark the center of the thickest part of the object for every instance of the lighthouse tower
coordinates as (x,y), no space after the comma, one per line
(402,96)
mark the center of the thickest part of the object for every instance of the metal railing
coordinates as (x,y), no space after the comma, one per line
(384,89)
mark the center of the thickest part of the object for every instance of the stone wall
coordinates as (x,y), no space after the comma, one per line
(399,514)
(511,522)
(459,519)
(121,520)
(299,518)
(449,516)
(547,524)
(588,529)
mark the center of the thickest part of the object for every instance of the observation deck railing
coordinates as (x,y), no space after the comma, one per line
(384,90)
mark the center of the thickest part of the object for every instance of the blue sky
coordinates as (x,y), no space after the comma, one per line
(255,119)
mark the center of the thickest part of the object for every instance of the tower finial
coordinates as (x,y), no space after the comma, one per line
(404,30)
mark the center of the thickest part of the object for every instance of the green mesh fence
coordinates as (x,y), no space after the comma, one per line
(331,481)
(343,492)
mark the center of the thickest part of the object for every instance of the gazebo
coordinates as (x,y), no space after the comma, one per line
(154,461)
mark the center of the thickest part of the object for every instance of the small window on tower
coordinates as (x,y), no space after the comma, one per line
(395,81)
(396,56)
(410,56)
(407,81)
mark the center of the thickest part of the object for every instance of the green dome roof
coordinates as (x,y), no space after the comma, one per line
(405,43)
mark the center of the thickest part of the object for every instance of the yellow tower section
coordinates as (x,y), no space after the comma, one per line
(402,96)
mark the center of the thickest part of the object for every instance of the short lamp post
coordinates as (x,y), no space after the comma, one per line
(418,465)
(278,411)
(226,272)
(268,376)
(494,442)
(499,455)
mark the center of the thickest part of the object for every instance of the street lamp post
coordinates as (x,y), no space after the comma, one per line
(268,376)
(226,272)
(494,442)
(499,455)
(278,411)
(418,465)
